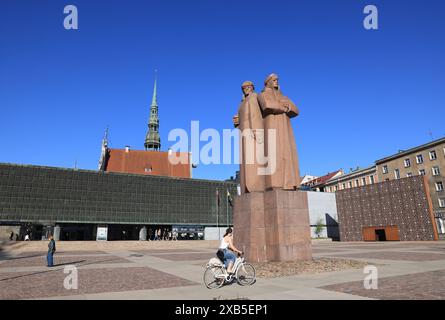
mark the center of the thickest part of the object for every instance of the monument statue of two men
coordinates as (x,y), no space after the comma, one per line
(264,122)
(270,217)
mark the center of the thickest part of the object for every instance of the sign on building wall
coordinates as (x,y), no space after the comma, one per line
(102,233)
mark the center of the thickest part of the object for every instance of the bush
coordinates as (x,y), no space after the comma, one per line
(319,227)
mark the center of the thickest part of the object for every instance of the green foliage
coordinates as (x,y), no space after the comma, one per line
(319,227)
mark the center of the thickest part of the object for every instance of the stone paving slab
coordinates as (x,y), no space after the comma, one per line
(426,285)
(29,285)
(86,252)
(328,250)
(24,246)
(372,247)
(185,256)
(168,251)
(63,260)
(438,249)
(395,255)
(184,261)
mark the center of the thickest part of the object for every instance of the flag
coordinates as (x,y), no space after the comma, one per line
(217,197)
(229,198)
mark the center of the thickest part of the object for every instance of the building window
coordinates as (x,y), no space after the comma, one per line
(350,184)
(419,159)
(409,174)
(397,173)
(385,169)
(371,179)
(387,179)
(433,155)
(336,188)
(442,202)
(439,186)
(344,186)
(356,182)
(436,171)
(363,181)
(440,225)
(422,172)
(407,163)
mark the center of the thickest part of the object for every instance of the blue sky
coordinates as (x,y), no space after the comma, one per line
(362,94)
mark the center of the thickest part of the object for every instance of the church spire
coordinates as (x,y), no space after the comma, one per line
(152,139)
(154,100)
(104,152)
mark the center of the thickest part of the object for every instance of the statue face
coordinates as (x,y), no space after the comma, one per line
(247,89)
(273,83)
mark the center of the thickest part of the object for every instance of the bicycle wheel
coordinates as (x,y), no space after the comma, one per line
(245,275)
(214,277)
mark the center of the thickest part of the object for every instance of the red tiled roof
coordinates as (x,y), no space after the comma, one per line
(322,179)
(147,162)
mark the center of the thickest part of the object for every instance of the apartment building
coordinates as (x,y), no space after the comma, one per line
(428,160)
(356,178)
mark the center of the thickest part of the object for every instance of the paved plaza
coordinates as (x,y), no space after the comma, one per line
(166,270)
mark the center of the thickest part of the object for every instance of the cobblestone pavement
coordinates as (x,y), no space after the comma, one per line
(77,260)
(41,284)
(174,270)
(395,255)
(408,287)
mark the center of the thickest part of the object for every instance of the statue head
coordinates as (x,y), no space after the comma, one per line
(271,81)
(247,87)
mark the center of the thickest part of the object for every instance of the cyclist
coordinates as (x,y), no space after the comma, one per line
(227,247)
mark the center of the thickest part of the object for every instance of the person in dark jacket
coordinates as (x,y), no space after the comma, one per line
(51,251)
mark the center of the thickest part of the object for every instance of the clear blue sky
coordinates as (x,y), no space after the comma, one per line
(362,94)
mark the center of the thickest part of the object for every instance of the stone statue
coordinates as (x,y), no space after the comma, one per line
(249,121)
(277,111)
(271,223)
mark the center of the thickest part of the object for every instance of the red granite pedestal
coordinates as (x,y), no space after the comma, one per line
(272,226)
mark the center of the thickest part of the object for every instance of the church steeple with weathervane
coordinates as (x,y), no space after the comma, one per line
(152,139)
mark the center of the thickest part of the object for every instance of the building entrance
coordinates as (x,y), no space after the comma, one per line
(380,235)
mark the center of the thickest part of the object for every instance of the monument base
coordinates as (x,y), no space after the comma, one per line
(272,226)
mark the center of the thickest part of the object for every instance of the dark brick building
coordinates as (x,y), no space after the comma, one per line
(390,210)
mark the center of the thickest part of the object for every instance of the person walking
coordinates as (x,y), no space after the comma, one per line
(51,251)
(150,234)
(11,236)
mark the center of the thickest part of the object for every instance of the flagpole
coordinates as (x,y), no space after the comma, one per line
(227,207)
(217,214)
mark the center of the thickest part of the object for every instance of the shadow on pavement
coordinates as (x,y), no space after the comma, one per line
(58,269)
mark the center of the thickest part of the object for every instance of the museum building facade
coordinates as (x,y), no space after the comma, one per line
(74,204)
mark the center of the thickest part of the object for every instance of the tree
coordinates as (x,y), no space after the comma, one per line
(319,227)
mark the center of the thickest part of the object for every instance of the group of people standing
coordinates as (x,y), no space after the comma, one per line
(162,234)
(16,237)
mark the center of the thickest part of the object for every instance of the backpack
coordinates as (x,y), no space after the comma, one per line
(220,254)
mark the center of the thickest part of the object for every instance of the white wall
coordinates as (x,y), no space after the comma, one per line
(211,233)
(323,205)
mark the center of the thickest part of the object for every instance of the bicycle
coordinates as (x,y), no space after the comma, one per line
(216,275)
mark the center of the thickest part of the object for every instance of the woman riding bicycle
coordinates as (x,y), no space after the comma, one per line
(227,247)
